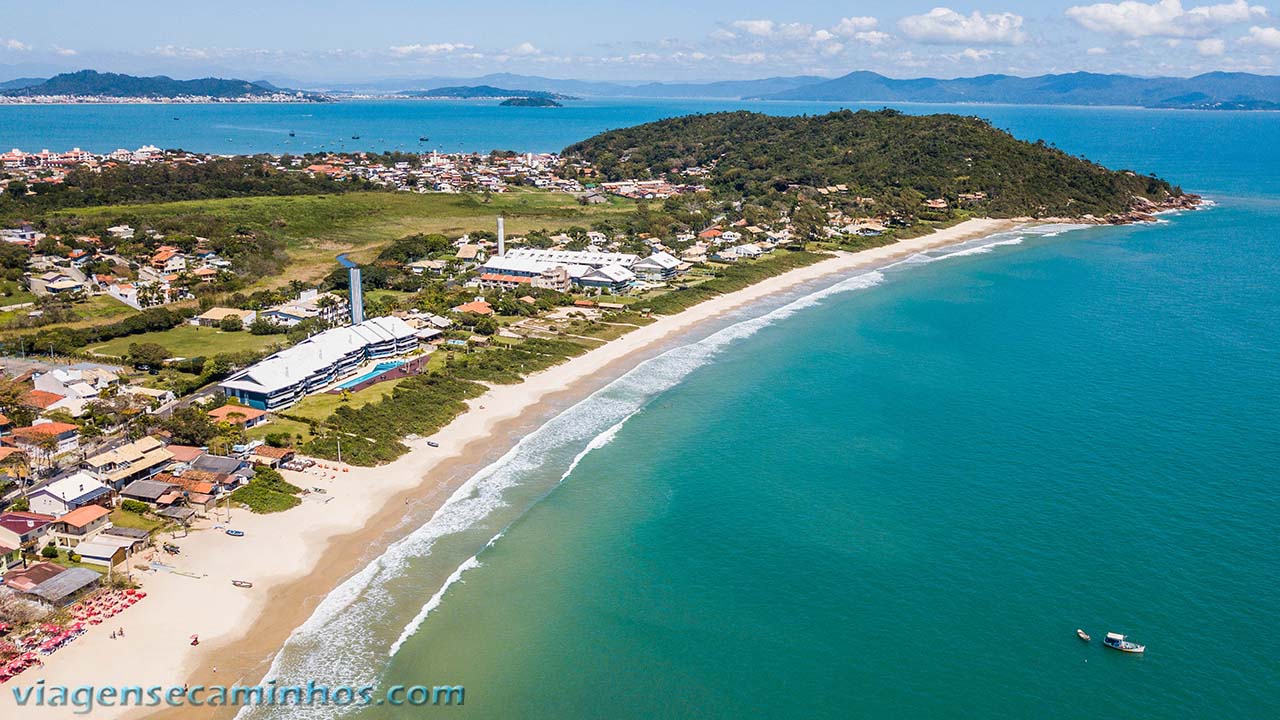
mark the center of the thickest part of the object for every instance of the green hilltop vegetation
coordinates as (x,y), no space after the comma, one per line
(91,82)
(893,158)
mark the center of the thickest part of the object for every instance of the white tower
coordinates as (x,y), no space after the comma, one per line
(502,236)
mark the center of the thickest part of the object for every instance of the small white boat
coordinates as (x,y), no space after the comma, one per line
(1083,635)
(1116,641)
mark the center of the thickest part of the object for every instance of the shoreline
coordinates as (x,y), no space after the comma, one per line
(296,558)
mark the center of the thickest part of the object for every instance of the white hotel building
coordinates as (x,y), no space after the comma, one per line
(319,361)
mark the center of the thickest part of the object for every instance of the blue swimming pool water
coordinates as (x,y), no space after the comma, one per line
(377,370)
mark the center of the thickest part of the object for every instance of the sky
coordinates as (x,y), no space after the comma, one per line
(330,41)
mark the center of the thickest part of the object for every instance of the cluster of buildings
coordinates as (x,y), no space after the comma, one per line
(159,275)
(319,362)
(649,189)
(72,512)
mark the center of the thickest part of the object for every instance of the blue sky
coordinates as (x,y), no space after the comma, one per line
(351,40)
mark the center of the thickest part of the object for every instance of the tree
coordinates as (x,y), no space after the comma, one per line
(147,355)
(486,325)
(191,426)
(231,323)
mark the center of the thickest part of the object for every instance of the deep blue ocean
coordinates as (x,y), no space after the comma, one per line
(894,495)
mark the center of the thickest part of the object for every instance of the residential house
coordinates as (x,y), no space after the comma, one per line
(27,579)
(79,525)
(148,491)
(168,259)
(122,465)
(213,317)
(330,307)
(271,456)
(66,494)
(18,529)
(242,415)
(33,439)
(475,307)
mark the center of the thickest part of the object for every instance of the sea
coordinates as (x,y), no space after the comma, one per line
(895,494)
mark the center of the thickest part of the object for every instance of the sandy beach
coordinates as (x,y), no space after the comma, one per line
(295,558)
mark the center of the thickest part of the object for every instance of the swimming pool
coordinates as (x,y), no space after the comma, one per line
(376,371)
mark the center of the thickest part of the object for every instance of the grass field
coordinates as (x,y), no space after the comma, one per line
(318,227)
(322,405)
(189,341)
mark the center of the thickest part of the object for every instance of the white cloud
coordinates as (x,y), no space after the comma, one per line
(1267,37)
(722,34)
(1166,18)
(759,28)
(1211,47)
(18,45)
(428,49)
(851,26)
(1096,51)
(944,25)
(872,37)
(971,54)
(179,51)
(64,52)
(524,49)
(754,58)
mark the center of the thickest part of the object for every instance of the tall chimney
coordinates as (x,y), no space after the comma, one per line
(502,236)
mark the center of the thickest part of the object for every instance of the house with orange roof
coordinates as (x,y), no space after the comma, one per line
(475,307)
(32,439)
(168,259)
(41,399)
(239,415)
(80,525)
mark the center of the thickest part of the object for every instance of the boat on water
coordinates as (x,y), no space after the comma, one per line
(291,133)
(1116,641)
(423,138)
(1083,635)
(355,137)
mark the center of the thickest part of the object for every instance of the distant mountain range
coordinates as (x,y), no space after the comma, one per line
(731,89)
(469,92)
(91,83)
(1217,90)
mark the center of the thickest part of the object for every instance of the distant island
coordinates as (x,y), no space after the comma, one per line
(1210,91)
(530,102)
(473,92)
(93,86)
(885,159)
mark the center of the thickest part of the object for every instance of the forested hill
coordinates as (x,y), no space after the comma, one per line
(886,155)
(92,83)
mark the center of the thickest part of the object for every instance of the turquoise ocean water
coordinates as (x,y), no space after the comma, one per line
(891,495)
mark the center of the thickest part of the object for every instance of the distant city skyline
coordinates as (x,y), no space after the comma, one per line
(323,41)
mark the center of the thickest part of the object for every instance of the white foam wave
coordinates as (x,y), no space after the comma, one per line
(412,628)
(982,249)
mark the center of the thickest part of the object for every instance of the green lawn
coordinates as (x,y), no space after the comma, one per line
(124,518)
(190,341)
(318,227)
(321,405)
(281,425)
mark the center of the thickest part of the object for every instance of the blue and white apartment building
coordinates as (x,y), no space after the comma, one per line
(317,362)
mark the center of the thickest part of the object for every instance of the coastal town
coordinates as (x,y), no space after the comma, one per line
(158,379)
(112,452)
